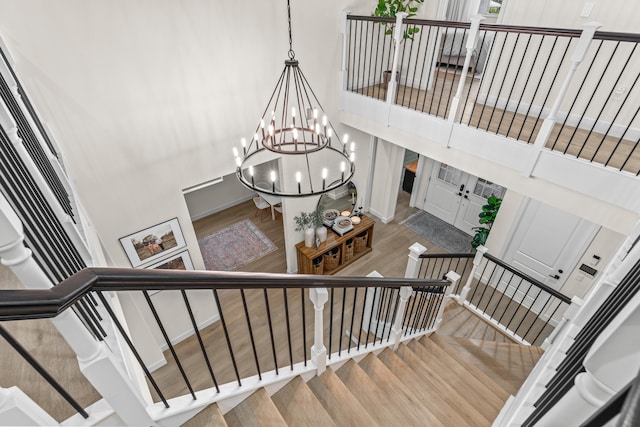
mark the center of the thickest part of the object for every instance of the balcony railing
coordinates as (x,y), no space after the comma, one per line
(508,81)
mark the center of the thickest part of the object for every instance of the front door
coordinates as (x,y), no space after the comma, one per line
(457,197)
(548,243)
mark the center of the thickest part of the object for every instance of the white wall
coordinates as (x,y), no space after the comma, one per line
(216,197)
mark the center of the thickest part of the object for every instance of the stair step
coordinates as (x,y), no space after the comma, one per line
(461,322)
(211,416)
(338,401)
(434,385)
(372,397)
(436,344)
(412,405)
(299,406)
(508,364)
(256,410)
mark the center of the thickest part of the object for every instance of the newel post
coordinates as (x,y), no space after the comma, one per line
(398,34)
(453,278)
(480,251)
(396,329)
(96,361)
(415,262)
(319,297)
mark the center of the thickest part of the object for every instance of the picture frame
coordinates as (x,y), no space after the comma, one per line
(153,243)
(179,261)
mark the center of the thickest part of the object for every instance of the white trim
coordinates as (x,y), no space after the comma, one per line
(222,207)
(203,185)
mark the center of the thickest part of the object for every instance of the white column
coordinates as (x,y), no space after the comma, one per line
(94,358)
(397,38)
(480,251)
(396,329)
(345,49)
(17,409)
(547,125)
(415,262)
(319,297)
(453,278)
(567,317)
(470,46)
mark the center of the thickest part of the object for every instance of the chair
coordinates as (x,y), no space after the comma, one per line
(278,209)
(261,206)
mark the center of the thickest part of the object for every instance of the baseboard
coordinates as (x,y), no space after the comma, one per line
(222,207)
(186,334)
(381,217)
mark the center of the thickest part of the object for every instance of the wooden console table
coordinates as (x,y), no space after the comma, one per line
(307,256)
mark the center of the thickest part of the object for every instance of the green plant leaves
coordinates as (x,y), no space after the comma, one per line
(487,217)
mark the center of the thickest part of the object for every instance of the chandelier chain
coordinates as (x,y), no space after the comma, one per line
(292,55)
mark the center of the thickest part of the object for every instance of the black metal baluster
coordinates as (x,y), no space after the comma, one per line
(408,313)
(513,85)
(519,304)
(373,304)
(359,66)
(227,337)
(468,97)
(286,315)
(199,336)
(495,289)
(365,80)
(132,348)
(168,342)
(433,72)
(486,286)
(42,371)
(455,74)
(273,342)
(87,320)
(512,299)
(383,294)
(364,301)
(493,77)
(331,322)
(504,77)
(528,310)
(304,327)
(353,313)
(344,297)
(537,317)
(559,303)
(386,317)
(250,328)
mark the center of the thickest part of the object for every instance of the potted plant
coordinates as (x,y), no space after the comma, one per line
(486,217)
(389,9)
(317,217)
(304,222)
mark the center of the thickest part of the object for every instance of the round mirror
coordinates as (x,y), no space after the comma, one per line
(343,198)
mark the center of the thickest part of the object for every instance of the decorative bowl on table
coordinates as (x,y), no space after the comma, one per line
(342,224)
(329,216)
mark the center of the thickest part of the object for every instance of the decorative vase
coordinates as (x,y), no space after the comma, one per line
(309,237)
(321,232)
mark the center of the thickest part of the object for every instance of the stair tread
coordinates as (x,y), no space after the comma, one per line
(442,399)
(371,396)
(435,344)
(211,416)
(338,401)
(299,406)
(256,410)
(507,364)
(411,404)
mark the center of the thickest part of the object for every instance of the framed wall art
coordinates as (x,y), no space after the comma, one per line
(179,261)
(153,243)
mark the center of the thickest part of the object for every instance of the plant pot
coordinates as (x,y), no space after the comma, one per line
(309,237)
(321,232)
(386,78)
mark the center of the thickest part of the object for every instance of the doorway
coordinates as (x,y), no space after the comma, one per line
(457,197)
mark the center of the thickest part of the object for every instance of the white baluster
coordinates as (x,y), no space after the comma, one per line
(396,329)
(415,262)
(17,409)
(94,358)
(319,297)
(547,125)
(480,251)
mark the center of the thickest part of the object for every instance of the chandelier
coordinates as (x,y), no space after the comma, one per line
(295,127)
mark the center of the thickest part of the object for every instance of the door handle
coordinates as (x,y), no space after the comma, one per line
(554,276)
(461,187)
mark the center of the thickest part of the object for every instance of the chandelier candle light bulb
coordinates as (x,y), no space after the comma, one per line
(251,174)
(273,181)
(299,180)
(324,177)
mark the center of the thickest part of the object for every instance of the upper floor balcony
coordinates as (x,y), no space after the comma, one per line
(556,105)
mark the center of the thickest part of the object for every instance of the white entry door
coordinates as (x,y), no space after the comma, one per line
(457,197)
(548,243)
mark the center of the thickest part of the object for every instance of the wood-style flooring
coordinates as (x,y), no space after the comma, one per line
(585,143)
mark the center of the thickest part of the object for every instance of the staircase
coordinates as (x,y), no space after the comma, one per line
(435,381)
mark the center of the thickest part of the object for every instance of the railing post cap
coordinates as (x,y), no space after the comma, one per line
(482,249)
(452,276)
(417,248)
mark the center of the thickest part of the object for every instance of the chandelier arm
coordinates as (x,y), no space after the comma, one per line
(275,89)
(299,78)
(285,104)
(301,108)
(319,105)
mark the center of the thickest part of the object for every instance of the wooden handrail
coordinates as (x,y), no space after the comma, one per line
(48,303)
(562,297)
(460,255)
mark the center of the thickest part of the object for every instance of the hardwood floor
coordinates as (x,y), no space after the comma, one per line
(584,143)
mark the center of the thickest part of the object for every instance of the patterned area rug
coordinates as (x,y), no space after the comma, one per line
(232,247)
(437,231)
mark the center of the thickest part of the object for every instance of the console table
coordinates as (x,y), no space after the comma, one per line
(312,260)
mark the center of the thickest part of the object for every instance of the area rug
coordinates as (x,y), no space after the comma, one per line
(438,232)
(234,246)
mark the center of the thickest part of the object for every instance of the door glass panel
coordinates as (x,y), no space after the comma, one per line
(486,189)
(450,174)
